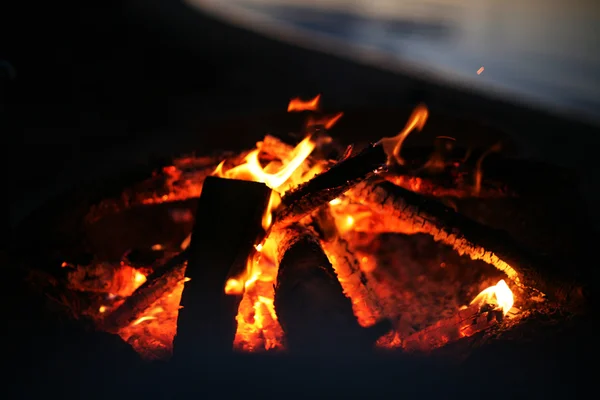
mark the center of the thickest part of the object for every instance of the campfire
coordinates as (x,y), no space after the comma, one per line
(312,247)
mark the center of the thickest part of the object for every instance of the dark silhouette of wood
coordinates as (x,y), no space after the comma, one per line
(228,226)
(312,309)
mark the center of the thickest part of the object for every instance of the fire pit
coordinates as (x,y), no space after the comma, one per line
(406,247)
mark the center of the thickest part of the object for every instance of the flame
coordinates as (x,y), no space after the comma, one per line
(393,145)
(327,122)
(252,169)
(499,295)
(186,242)
(274,201)
(257,322)
(298,104)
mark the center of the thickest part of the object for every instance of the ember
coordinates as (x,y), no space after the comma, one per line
(359,241)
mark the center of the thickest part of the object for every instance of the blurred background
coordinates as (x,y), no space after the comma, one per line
(537,51)
(84,86)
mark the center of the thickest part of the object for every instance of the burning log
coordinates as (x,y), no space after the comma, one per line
(229,223)
(465,323)
(156,285)
(331,184)
(402,207)
(313,311)
(347,268)
(349,172)
(488,308)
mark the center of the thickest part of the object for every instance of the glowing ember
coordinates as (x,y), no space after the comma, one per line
(500,294)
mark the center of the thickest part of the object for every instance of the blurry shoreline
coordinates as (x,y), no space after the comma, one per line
(428,45)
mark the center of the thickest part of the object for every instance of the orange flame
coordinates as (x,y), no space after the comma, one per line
(327,122)
(499,295)
(297,104)
(393,145)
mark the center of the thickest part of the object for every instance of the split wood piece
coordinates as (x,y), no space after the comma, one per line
(228,226)
(163,279)
(527,270)
(312,309)
(354,281)
(464,323)
(330,184)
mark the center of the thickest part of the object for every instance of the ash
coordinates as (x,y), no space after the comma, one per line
(419,281)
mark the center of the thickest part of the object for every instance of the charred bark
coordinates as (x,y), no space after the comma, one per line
(330,184)
(228,226)
(528,270)
(464,323)
(157,284)
(353,280)
(314,313)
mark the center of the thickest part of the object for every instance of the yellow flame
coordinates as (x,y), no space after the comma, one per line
(142,319)
(393,145)
(274,201)
(499,295)
(139,278)
(251,169)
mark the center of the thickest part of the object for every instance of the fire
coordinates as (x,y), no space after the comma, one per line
(257,321)
(327,122)
(298,104)
(393,145)
(499,295)
(275,174)
(258,326)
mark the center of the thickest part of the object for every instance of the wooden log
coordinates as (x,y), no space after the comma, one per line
(312,309)
(464,323)
(527,270)
(157,284)
(330,184)
(353,280)
(228,226)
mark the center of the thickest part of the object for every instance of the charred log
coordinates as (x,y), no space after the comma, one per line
(403,207)
(331,184)
(228,226)
(157,284)
(464,323)
(314,313)
(347,268)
